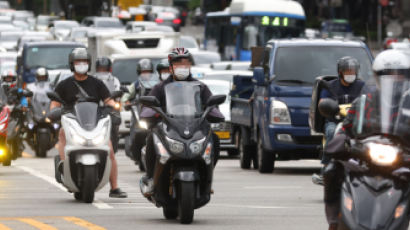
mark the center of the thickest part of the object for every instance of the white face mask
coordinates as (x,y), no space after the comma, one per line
(181,73)
(81,68)
(164,76)
(350,78)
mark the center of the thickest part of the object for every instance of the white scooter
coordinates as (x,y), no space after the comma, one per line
(87,165)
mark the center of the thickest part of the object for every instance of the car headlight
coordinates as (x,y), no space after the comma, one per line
(197,146)
(143,124)
(279,113)
(175,146)
(383,155)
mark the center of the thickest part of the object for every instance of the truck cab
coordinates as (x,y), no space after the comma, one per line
(273,121)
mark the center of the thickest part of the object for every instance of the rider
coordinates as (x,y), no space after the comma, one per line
(180,61)
(344,90)
(103,72)
(163,70)
(391,65)
(80,61)
(145,69)
(8,80)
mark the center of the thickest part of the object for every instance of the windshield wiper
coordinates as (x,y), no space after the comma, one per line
(294,81)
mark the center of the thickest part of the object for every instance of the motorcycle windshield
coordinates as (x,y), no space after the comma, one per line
(183,99)
(384,108)
(149,80)
(40,104)
(86,114)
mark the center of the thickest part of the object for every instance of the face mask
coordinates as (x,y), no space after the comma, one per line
(350,78)
(164,76)
(81,68)
(181,73)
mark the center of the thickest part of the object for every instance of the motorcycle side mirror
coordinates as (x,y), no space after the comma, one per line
(216,100)
(124,89)
(55,114)
(55,97)
(328,108)
(150,101)
(116,94)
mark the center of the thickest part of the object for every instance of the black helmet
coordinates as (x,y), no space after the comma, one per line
(346,63)
(42,73)
(144,65)
(79,54)
(103,62)
(179,53)
(162,65)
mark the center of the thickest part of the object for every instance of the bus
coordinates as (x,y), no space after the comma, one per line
(249,23)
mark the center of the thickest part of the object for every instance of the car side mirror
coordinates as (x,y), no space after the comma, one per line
(259,76)
(116,94)
(55,97)
(150,101)
(216,100)
(55,114)
(328,108)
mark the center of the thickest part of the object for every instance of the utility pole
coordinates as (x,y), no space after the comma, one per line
(379,24)
(44,6)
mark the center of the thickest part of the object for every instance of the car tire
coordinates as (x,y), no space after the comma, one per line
(245,153)
(265,159)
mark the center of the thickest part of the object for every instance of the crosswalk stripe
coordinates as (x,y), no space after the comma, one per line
(37,224)
(82,223)
(4,227)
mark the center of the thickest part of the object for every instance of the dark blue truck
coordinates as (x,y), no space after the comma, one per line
(270,110)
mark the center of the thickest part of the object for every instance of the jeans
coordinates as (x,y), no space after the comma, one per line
(330,128)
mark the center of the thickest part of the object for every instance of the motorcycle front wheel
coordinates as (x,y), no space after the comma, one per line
(186,202)
(89,183)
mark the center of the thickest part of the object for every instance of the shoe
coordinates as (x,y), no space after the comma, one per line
(317,179)
(333,227)
(60,166)
(118,193)
(147,186)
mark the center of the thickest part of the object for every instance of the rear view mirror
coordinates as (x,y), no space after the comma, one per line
(150,101)
(329,108)
(54,97)
(55,114)
(116,94)
(216,100)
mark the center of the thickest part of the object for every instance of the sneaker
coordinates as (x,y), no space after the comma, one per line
(333,227)
(147,186)
(60,167)
(317,179)
(118,193)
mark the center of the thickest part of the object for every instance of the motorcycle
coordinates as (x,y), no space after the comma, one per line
(375,191)
(5,154)
(135,143)
(42,135)
(184,151)
(87,165)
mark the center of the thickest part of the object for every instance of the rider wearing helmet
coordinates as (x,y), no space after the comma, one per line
(69,91)
(103,72)
(391,73)
(180,61)
(344,90)
(163,70)
(8,79)
(41,74)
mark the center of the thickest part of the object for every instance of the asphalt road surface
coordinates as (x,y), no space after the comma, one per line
(243,199)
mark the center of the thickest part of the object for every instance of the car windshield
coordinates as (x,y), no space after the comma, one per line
(183,99)
(79,34)
(301,65)
(205,59)
(187,42)
(126,69)
(10,37)
(66,25)
(108,23)
(43,20)
(48,57)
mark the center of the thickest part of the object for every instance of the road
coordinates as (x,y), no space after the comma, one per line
(243,199)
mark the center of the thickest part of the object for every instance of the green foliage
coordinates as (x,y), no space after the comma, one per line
(194,4)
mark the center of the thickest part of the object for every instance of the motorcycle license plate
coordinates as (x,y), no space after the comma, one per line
(223,135)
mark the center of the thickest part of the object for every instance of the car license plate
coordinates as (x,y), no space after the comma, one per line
(223,135)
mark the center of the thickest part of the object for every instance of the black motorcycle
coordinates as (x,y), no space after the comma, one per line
(375,190)
(184,151)
(134,144)
(42,133)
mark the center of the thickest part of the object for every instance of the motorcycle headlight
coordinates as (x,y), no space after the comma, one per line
(279,113)
(4,125)
(98,140)
(383,155)
(175,146)
(77,138)
(143,124)
(117,106)
(164,155)
(197,146)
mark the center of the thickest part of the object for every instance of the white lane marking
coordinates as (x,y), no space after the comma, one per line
(272,187)
(97,203)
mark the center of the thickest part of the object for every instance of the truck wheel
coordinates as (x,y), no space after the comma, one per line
(170,213)
(186,202)
(245,153)
(265,158)
(89,183)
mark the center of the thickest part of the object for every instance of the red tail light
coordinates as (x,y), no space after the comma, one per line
(177,21)
(184,14)
(159,20)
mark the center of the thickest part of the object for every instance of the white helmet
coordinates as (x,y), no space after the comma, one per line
(391,60)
